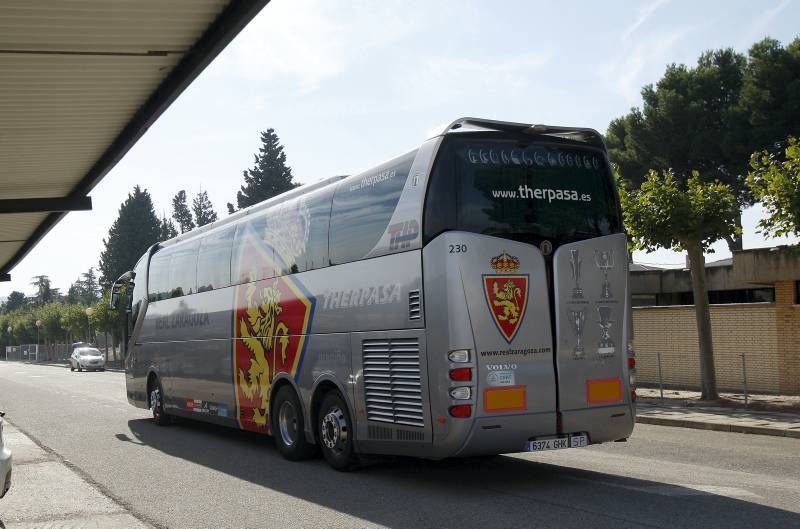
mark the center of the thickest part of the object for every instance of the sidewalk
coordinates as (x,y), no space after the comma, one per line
(672,413)
(45,492)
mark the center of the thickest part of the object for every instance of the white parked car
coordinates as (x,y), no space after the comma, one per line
(5,461)
(87,358)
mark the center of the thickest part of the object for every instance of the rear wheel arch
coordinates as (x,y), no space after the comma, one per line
(277,384)
(152,380)
(322,388)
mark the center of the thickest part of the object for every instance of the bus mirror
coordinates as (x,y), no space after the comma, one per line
(115,300)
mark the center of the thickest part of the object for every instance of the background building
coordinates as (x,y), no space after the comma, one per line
(755,312)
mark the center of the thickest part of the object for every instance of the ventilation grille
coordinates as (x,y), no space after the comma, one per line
(392,381)
(410,435)
(379,432)
(414,305)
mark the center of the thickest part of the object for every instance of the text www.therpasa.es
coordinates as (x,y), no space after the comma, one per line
(541,193)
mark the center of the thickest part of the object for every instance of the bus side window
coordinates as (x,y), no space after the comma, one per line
(159,277)
(301,235)
(319,209)
(252,257)
(214,260)
(363,206)
(183,269)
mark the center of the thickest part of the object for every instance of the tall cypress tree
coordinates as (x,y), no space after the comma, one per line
(203,210)
(135,230)
(181,213)
(269,176)
(168,229)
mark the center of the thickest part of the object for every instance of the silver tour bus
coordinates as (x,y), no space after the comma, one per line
(468,297)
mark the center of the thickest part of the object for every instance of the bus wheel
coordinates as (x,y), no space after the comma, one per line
(335,432)
(286,423)
(157,404)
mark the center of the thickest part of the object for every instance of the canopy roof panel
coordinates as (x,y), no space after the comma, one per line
(80,82)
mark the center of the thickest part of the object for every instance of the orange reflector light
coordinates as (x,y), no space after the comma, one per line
(604,391)
(511,398)
(631,362)
(461,411)
(461,374)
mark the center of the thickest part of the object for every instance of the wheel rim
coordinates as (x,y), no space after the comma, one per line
(335,430)
(287,423)
(155,401)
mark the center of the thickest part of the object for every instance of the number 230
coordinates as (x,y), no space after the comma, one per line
(458,248)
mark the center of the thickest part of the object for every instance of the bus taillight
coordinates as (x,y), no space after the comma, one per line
(461,411)
(632,371)
(461,374)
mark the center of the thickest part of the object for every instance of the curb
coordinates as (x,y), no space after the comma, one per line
(718,426)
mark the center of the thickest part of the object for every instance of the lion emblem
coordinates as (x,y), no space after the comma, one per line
(508,299)
(265,336)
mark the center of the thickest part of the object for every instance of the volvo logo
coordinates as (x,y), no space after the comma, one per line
(546,247)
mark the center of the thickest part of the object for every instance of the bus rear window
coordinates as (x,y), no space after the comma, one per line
(521,190)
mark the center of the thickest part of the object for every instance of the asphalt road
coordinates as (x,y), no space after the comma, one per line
(193,475)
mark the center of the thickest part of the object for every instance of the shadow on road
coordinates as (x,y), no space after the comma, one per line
(480,492)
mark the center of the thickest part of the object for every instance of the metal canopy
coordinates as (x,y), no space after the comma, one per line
(80,82)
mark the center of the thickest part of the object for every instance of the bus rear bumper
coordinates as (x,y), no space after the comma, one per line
(506,434)
(603,424)
(509,434)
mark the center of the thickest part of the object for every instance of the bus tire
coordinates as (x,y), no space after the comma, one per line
(160,416)
(288,427)
(335,432)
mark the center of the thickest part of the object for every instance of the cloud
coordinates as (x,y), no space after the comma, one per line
(452,77)
(305,42)
(641,62)
(643,14)
(761,22)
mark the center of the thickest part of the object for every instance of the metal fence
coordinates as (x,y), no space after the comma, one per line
(742,388)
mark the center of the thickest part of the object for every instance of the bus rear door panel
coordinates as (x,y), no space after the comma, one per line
(591,297)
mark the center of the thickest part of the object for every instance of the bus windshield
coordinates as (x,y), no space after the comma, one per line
(521,189)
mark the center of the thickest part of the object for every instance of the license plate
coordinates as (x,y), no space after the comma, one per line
(573,441)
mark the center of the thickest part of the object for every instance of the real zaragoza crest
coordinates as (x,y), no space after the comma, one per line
(506,294)
(271,318)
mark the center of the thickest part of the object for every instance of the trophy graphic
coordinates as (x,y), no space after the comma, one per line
(604,259)
(606,346)
(575,266)
(577,318)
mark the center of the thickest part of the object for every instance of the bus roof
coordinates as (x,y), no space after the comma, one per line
(233,218)
(579,134)
(461,125)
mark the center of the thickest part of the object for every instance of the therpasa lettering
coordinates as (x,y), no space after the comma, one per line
(361,297)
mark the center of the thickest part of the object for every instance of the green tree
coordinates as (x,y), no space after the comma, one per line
(771,93)
(85,290)
(269,176)
(689,122)
(50,331)
(181,213)
(775,183)
(75,322)
(23,325)
(134,231)
(16,300)
(203,210)
(711,117)
(664,213)
(168,229)
(106,320)
(44,293)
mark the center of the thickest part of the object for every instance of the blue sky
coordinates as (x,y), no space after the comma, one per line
(348,84)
